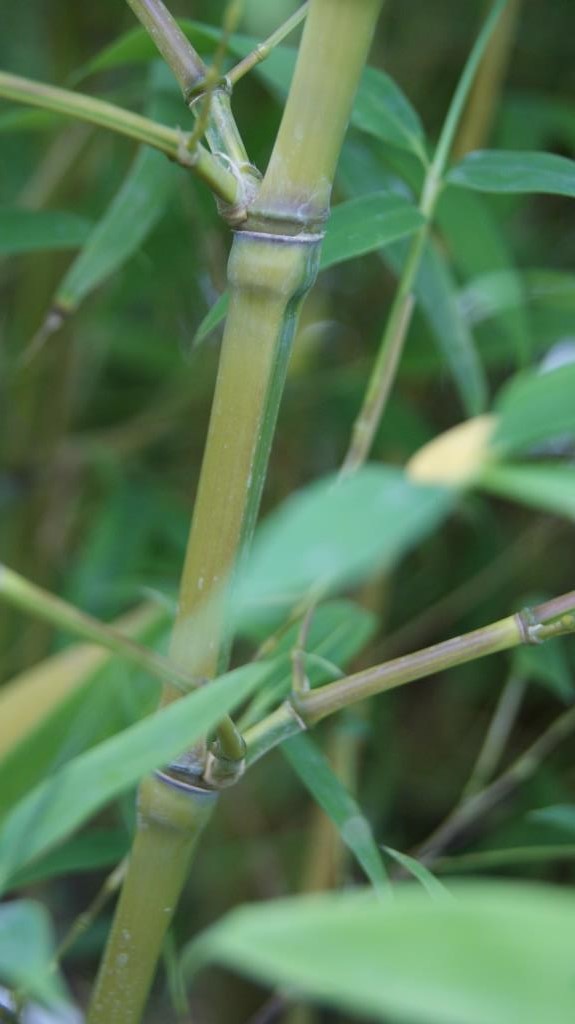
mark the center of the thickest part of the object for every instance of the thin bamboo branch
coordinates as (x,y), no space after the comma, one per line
(171,141)
(470,811)
(186,65)
(392,343)
(34,600)
(532,626)
(263,50)
(497,735)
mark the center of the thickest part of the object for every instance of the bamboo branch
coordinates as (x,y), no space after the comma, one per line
(263,50)
(469,811)
(186,65)
(36,601)
(171,141)
(391,347)
(302,711)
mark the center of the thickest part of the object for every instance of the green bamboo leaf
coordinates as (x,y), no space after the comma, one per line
(382,109)
(497,953)
(548,486)
(96,849)
(132,214)
(40,230)
(336,532)
(136,47)
(535,407)
(318,777)
(561,816)
(423,875)
(356,227)
(366,224)
(508,171)
(71,795)
(437,295)
(26,951)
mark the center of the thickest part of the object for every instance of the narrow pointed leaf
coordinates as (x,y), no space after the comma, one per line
(41,230)
(70,796)
(508,171)
(318,777)
(497,953)
(417,870)
(548,486)
(536,407)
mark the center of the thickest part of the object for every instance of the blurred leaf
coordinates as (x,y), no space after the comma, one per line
(338,531)
(508,171)
(436,293)
(70,796)
(136,47)
(96,849)
(40,230)
(423,875)
(548,486)
(355,228)
(328,791)
(26,951)
(133,213)
(535,407)
(338,631)
(561,816)
(71,701)
(495,954)
(383,110)
(547,665)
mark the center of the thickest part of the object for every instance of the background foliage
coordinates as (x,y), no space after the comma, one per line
(103,427)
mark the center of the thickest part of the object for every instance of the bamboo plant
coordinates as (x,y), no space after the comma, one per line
(279,220)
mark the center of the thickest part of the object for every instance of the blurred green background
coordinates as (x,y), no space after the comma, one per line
(102,430)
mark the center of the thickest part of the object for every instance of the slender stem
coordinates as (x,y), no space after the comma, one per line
(532,626)
(263,50)
(36,601)
(387,362)
(186,65)
(486,860)
(198,85)
(497,735)
(470,811)
(85,920)
(170,141)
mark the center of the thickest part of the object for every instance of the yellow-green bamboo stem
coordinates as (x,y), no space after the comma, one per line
(271,267)
(170,820)
(297,185)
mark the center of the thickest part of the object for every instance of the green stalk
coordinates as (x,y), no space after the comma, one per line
(40,603)
(272,265)
(170,821)
(532,626)
(263,50)
(387,362)
(170,141)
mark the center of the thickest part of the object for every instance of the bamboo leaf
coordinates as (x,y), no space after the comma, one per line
(423,875)
(95,849)
(366,224)
(26,951)
(498,953)
(508,171)
(535,407)
(561,816)
(334,532)
(328,791)
(355,227)
(40,230)
(382,109)
(548,486)
(71,795)
(436,293)
(132,214)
